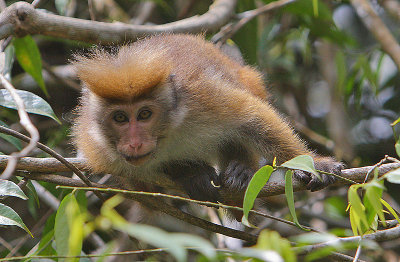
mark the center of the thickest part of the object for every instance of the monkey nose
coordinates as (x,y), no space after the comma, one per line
(136,147)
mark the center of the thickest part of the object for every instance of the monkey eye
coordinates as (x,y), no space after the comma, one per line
(144,114)
(120,117)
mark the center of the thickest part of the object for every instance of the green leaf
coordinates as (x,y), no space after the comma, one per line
(271,240)
(373,193)
(247,37)
(156,237)
(369,73)
(33,104)
(81,200)
(341,69)
(391,210)
(8,188)
(290,198)
(45,247)
(200,244)
(61,6)
(8,217)
(68,228)
(28,57)
(397,147)
(12,140)
(33,193)
(315,7)
(303,162)
(257,182)
(314,238)
(354,221)
(393,176)
(9,61)
(357,207)
(174,243)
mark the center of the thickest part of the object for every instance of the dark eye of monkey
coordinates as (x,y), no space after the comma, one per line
(120,117)
(144,114)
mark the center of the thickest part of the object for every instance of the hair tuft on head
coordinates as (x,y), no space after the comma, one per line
(122,75)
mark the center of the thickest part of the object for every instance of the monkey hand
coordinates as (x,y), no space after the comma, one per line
(326,164)
(198,179)
(204,187)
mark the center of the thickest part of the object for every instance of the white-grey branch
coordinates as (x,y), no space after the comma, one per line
(51,165)
(21,18)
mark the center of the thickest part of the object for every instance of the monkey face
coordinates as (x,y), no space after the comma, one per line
(133,130)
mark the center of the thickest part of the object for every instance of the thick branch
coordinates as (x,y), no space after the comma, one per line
(21,19)
(270,189)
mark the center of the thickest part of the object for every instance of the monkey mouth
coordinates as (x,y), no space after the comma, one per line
(138,160)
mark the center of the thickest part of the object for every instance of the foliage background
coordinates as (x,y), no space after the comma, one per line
(326,71)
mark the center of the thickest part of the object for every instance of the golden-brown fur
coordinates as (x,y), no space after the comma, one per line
(138,68)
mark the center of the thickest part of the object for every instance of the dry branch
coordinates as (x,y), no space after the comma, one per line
(21,18)
(381,235)
(52,165)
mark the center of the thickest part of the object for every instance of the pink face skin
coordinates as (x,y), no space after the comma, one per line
(134,128)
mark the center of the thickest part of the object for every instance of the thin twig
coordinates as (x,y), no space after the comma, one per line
(246,17)
(358,252)
(37,3)
(26,123)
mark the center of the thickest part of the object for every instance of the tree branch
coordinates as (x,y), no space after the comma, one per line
(31,164)
(152,203)
(379,30)
(21,18)
(379,236)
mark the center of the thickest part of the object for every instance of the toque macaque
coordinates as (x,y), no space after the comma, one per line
(175,105)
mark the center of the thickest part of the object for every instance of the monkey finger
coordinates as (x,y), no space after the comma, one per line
(215,179)
(302,176)
(321,182)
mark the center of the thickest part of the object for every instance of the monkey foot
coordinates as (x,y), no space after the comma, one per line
(236,176)
(326,164)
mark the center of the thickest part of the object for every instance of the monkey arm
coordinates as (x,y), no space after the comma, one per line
(264,134)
